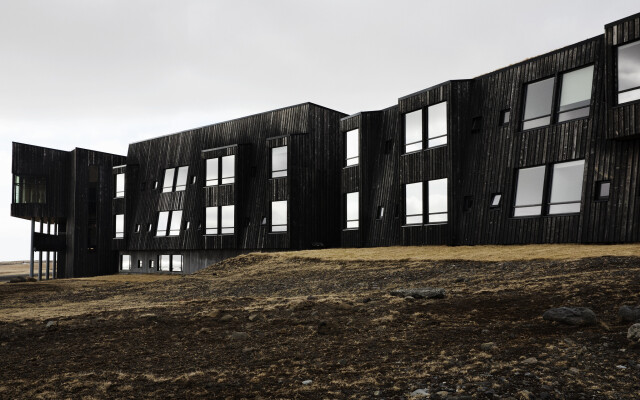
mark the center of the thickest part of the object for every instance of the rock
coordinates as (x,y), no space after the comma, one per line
(203,331)
(420,393)
(525,395)
(629,314)
(226,318)
(255,317)
(376,393)
(489,346)
(239,336)
(409,298)
(307,382)
(51,324)
(18,279)
(420,293)
(576,316)
(634,333)
(530,361)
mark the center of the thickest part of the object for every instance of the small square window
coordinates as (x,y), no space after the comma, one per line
(137,228)
(263,221)
(505,117)
(603,190)
(476,124)
(380,212)
(193,180)
(495,200)
(467,203)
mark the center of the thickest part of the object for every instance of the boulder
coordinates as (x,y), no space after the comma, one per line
(629,314)
(576,316)
(419,293)
(633,333)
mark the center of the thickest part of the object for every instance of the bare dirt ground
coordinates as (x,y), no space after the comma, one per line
(257,326)
(13,269)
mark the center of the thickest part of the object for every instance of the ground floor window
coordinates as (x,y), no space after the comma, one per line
(125,262)
(170,262)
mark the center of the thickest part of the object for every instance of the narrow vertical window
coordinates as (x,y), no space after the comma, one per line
(438,201)
(125,262)
(212,172)
(139,264)
(228,169)
(629,72)
(529,192)
(161,226)
(169,174)
(176,263)
(211,221)
(413,199)
(279,216)
(164,262)
(575,96)
(566,187)
(227,220)
(119,185)
(181,180)
(603,190)
(353,210)
(380,212)
(352,152)
(176,222)
(495,200)
(119,226)
(537,106)
(279,162)
(413,131)
(437,124)
(152,264)
(505,117)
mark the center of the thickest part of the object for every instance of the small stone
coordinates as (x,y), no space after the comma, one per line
(420,393)
(525,395)
(255,317)
(489,346)
(148,315)
(530,361)
(575,316)
(376,393)
(409,298)
(621,367)
(226,318)
(420,293)
(629,314)
(307,382)
(51,324)
(574,370)
(239,336)
(634,333)
(442,393)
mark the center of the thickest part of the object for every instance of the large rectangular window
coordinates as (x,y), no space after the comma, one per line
(169,223)
(29,189)
(438,201)
(413,131)
(575,96)
(279,216)
(227,215)
(437,124)
(566,187)
(352,147)
(220,220)
(181,179)
(228,169)
(119,224)
(176,263)
(125,262)
(212,172)
(629,72)
(279,162)
(413,203)
(169,174)
(537,106)
(211,221)
(119,185)
(164,263)
(529,192)
(353,210)
(175,179)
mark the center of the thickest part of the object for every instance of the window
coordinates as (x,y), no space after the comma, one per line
(566,187)
(149,227)
(603,190)
(353,210)
(212,172)
(505,117)
(125,262)
(220,220)
(164,263)
(529,192)
(575,96)
(176,263)
(380,212)
(119,223)
(413,131)
(437,129)
(438,201)
(495,200)
(175,179)
(187,226)
(537,107)
(279,162)
(629,72)
(413,199)
(279,216)
(139,264)
(137,228)
(155,184)
(29,189)
(352,139)
(169,223)
(119,185)
(152,264)
(193,180)
(228,169)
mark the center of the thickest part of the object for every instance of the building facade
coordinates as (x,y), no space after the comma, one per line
(543,151)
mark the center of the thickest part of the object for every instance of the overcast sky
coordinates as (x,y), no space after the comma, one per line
(101,74)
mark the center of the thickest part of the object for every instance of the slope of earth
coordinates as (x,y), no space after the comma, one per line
(258,326)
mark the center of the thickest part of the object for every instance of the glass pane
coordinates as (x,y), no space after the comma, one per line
(353,148)
(629,66)
(415,219)
(165,262)
(631,95)
(212,172)
(569,208)
(126,262)
(437,196)
(437,120)
(535,123)
(441,141)
(538,100)
(496,200)
(413,198)
(605,188)
(167,186)
(434,218)
(211,221)
(566,184)
(176,262)
(413,147)
(506,116)
(228,169)
(380,212)
(120,225)
(576,89)
(279,162)
(183,174)
(573,114)
(119,185)
(413,128)
(353,209)
(527,211)
(530,185)
(161,227)
(227,219)
(176,222)
(279,216)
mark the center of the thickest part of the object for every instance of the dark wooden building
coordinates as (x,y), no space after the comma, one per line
(543,151)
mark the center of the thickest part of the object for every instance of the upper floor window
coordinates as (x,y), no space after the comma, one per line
(537,106)
(353,210)
(228,169)
(29,189)
(169,223)
(413,131)
(352,147)
(119,185)
(220,220)
(226,165)
(413,202)
(175,179)
(437,124)
(279,162)
(575,96)
(212,171)
(279,216)
(629,72)
(438,201)
(119,224)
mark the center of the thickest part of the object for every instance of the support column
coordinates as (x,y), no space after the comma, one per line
(33,229)
(48,252)
(40,257)
(55,253)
